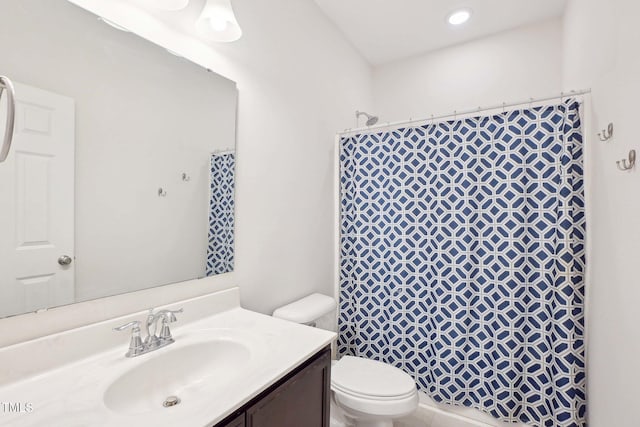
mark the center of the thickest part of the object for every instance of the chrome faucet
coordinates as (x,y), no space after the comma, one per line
(152,341)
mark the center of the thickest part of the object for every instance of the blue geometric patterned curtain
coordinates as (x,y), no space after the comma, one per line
(463,260)
(220,252)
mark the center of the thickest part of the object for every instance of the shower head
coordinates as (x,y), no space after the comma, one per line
(371,120)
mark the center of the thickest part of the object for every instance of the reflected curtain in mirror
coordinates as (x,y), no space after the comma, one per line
(220,253)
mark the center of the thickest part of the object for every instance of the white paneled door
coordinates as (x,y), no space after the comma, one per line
(37,204)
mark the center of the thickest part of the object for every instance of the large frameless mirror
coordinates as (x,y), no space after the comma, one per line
(121,172)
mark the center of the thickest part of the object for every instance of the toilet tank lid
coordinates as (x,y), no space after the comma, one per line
(307,309)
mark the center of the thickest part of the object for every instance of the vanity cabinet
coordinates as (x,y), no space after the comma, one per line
(237,422)
(300,399)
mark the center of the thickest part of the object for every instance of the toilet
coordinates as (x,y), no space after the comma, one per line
(366,393)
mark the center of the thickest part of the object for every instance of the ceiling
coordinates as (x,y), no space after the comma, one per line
(389,30)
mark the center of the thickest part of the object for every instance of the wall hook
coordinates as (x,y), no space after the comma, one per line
(185,177)
(627,164)
(162,192)
(607,133)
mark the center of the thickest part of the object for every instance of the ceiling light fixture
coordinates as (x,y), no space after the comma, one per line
(217,22)
(459,17)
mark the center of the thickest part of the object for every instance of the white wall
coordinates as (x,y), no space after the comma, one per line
(506,67)
(601,51)
(299,82)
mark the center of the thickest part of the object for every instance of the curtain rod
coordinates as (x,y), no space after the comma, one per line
(223,151)
(504,105)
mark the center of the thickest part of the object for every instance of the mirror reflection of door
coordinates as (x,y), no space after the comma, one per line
(37,204)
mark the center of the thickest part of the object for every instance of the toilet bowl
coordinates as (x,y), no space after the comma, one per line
(371,393)
(368,393)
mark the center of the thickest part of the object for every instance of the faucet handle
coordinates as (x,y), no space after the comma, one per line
(136,347)
(168,316)
(135,327)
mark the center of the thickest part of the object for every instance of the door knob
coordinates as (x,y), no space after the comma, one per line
(65,260)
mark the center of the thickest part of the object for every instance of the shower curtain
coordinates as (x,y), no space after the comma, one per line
(462,260)
(220,249)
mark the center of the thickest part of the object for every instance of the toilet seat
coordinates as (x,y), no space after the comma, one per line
(370,378)
(368,408)
(353,394)
(373,388)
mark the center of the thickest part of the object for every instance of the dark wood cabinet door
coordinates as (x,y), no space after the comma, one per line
(237,422)
(301,401)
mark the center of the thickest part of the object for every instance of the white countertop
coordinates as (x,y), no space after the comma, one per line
(72,394)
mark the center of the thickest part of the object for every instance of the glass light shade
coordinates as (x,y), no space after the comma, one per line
(169,4)
(217,22)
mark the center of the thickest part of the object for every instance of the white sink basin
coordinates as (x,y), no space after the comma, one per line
(217,364)
(188,371)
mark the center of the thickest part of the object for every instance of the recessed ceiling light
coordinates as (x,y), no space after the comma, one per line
(459,17)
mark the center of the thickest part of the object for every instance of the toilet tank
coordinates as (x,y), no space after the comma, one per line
(314,310)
